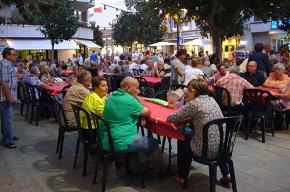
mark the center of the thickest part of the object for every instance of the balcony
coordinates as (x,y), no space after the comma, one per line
(83,5)
(31,31)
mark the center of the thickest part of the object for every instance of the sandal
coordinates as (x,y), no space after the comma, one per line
(224,181)
(10,146)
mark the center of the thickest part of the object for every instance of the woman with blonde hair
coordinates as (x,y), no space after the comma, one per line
(278,79)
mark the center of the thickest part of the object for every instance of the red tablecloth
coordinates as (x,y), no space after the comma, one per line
(157,123)
(56,88)
(67,72)
(151,81)
(268,89)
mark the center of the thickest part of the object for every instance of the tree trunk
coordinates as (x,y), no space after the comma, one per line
(52,51)
(217,45)
(216,40)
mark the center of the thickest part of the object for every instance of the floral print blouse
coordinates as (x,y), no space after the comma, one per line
(201,110)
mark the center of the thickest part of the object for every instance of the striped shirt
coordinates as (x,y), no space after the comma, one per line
(8,74)
(235,85)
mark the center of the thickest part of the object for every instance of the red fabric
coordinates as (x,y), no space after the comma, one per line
(56,88)
(98,10)
(67,72)
(157,123)
(151,81)
(101,73)
(268,89)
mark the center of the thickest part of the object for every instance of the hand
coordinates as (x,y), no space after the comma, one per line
(143,121)
(11,100)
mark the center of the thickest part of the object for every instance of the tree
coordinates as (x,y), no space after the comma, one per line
(97,34)
(137,27)
(57,20)
(125,32)
(219,18)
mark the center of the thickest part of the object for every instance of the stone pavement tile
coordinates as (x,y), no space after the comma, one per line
(255,181)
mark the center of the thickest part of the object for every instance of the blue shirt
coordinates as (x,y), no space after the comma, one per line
(93,57)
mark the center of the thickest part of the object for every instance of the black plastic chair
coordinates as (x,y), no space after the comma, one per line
(38,98)
(116,80)
(142,82)
(258,103)
(162,94)
(222,94)
(22,96)
(147,92)
(109,80)
(87,143)
(228,127)
(63,127)
(109,155)
(176,86)
(29,98)
(136,72)
(64,90)
(165,83)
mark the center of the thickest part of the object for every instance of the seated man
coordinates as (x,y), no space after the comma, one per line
(76,95)
(235,85)
(221,72)
(122,110)
(253,76)
(33,78)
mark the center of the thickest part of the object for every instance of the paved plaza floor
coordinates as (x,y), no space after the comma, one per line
(34,166)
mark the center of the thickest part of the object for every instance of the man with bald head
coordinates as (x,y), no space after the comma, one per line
(253,76)
(122,111)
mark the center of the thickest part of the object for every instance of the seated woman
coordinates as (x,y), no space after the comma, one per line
(278,79)
(45,75)
(201,108)
(221,71)
(160,72)
(94,102)
(20,73)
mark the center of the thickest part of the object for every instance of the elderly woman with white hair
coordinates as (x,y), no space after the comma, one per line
(278,79)
(45,75)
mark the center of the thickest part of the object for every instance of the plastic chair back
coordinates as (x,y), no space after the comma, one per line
(258,101)
(223,98)
(227,127)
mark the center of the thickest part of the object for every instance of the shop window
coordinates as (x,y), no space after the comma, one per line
(226,48)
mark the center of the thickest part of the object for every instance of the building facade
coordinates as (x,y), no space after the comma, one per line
(28,40)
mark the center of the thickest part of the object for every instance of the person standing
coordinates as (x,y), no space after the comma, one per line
(94,57)
(177,67)
(8,95)
(261,59)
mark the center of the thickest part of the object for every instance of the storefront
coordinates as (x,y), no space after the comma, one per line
(228,47)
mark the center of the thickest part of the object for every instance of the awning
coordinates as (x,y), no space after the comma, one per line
(40,44)
(162,43)
(88,43)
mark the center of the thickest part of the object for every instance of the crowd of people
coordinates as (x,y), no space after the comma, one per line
(123,107)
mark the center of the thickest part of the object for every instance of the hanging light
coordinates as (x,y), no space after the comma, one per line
(105,7)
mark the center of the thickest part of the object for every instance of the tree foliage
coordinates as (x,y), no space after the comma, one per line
(137,27)
(57,20)
(97,34)
(220,18)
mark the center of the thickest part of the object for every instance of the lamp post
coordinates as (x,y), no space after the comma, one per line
(178,19)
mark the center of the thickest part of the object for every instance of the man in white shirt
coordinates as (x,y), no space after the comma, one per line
(134,65)
(193,71)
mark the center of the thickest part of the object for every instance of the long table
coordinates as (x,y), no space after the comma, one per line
(157,122)
(55,88)
(151,81)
